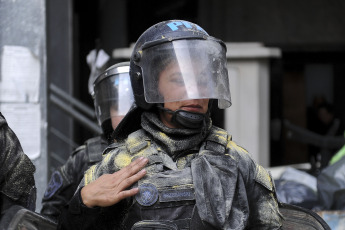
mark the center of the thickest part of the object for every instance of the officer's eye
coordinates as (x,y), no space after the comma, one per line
(176,78)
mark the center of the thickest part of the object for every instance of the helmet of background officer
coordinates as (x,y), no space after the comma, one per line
(196,61)
(113,96)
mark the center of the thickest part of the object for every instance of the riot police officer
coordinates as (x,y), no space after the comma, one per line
(112,97)
(174,169)
(17,183)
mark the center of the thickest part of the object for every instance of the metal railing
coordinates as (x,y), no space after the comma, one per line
(74,108)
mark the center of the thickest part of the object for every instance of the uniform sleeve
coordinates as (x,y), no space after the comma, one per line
(262,200)
(63,184)
(78,216)
(264,203)
(16,171)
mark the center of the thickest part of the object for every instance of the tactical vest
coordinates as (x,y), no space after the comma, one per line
(167,197)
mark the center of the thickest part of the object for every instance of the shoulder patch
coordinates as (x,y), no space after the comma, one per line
(263,177)
(55,183)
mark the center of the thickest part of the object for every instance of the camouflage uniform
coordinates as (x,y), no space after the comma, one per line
(195,180)
(65,180)
(17,181)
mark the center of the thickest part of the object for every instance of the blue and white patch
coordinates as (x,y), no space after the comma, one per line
(55,183)
(148,194)
(175,25)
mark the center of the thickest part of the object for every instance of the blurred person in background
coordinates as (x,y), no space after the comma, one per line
(112,97)
(328,125)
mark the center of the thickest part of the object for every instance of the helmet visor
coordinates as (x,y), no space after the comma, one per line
(113,96)
(185,69)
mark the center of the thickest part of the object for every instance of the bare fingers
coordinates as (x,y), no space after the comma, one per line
(109,189)
(131,169)
(130,174)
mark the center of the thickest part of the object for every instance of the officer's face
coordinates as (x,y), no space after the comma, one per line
(170,85)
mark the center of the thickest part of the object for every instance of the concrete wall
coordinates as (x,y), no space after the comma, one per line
(248,117)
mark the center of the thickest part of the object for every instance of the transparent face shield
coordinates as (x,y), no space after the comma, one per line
(113,97)
(186,69)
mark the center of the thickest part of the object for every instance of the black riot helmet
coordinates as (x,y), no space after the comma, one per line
(202,73)
(200,58)
(113,96)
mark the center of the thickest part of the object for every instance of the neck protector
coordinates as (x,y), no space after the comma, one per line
(174,141)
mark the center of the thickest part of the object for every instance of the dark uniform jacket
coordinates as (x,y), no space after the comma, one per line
(214,185)
(65,180)
(17,183)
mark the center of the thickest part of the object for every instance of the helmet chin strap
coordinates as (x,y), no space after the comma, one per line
(184,118)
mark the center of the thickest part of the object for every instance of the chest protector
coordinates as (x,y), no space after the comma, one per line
(193,192)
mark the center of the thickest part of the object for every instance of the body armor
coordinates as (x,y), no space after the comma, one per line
(203,189)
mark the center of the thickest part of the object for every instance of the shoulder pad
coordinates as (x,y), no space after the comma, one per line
(218,135)
(137,141)
(263,177)
(216,140)
(236,148)
(95,147)
(77,150)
